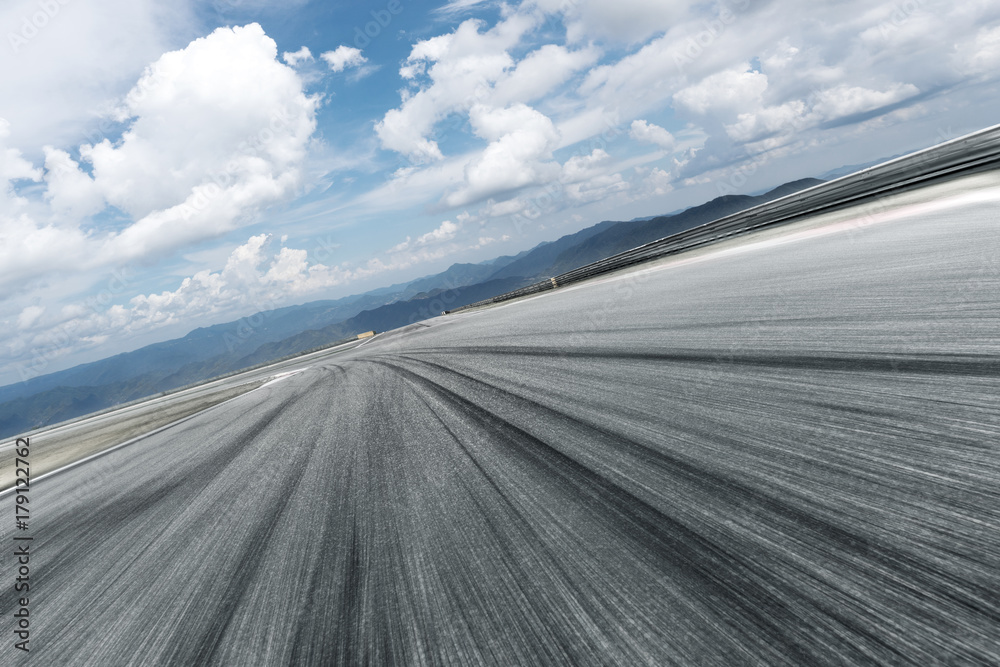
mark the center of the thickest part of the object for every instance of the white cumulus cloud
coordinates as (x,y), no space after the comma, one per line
(644,131)
(980,55)
(29,316)
(69,190)
(726,92)
(343,57)
(583,167)
(519,153)
(254,277)
(293,58)
(846,100)
(13,166)
(462,67)
(216,130)
(446,231)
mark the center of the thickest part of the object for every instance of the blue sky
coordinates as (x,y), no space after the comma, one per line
(171,165)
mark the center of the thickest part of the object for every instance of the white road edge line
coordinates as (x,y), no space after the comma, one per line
(277,378)
(132,441)
(74,423)
(367,341)
(139,404)
(281,376)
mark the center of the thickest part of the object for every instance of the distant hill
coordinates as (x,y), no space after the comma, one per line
(60,403)
(240,338)
(199,345)
(851,168)
(537,261)
(212,351)
(627,235)
(457,275)
(385,318)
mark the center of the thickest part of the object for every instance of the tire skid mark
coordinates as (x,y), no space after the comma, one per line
(145,499)
(906,576)
(971,365)
(586,602)
(692,557)
(205,646)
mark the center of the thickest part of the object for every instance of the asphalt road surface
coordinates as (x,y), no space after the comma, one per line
(71,441)
(780,454)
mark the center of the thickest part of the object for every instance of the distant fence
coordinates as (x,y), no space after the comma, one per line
(973,152)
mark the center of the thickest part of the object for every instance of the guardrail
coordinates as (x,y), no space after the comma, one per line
(973,152)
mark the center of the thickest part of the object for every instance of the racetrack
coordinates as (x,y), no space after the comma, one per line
(783,452)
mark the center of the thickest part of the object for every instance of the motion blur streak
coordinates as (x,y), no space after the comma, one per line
(783,456)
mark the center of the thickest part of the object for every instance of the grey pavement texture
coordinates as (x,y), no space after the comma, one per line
(784,455)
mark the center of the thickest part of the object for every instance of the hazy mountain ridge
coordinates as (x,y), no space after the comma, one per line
(536,261)
(239,337)
(384,318)
(60,403)
(623,236)
(211,351)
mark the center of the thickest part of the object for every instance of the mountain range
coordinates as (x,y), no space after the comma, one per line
(208,352)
